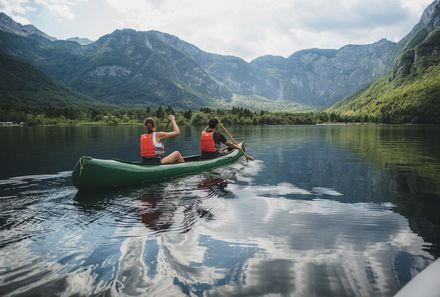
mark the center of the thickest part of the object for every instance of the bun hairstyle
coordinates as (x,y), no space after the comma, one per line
(149,124)
(213,123)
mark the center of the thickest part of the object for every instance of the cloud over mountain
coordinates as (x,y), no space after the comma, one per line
(247,29)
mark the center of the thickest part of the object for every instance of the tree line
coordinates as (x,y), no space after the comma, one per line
(233,116)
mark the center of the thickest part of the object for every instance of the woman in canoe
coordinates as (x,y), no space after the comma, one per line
(151,143)
(211,141)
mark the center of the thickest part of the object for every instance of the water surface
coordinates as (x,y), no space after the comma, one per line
(323,211)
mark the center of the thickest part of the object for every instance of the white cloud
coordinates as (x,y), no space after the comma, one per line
(13,6)
(252,28)
(59,9)
(247,28)
(15,9)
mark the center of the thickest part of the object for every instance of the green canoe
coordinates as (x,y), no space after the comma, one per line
(90,173)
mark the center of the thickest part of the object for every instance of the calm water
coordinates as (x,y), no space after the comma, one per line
(324,211)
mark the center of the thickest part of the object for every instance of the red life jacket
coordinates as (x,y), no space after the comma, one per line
(150,147)
(207,143)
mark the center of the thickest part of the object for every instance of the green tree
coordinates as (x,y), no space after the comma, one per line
(199,119)
(187,114)
(159,112)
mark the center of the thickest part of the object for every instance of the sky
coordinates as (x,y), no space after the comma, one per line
(243,28)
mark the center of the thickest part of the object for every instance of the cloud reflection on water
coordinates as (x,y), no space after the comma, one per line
(284,246)
(199,236)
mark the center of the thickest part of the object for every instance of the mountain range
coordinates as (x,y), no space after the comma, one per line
(136,68)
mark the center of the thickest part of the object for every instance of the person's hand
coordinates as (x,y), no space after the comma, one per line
(172,118)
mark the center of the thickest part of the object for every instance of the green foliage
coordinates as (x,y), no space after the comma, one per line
(24,86)
(415,101)
(410,94)
(199,119)
(159,112)
(187,114)
(235,116)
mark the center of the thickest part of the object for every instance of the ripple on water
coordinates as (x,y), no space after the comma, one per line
(187,237)
(325,191)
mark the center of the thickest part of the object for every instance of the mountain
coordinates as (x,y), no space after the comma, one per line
(134,68)
(126,67)
(411,91)
(154,68)
(7,24)
(310,77)
(80,40)
(23,86)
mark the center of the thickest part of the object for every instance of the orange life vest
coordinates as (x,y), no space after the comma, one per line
(150,147)
(207,143)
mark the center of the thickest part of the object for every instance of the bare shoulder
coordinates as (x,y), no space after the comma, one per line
(161,134)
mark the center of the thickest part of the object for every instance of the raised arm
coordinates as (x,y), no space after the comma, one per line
(174,133)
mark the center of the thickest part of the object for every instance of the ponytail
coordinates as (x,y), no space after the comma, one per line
(149,125)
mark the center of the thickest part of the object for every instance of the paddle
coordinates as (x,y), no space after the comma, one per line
(166,127)
(233,140)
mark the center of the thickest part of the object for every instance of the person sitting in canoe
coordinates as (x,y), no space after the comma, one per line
(211,140)
(151,143)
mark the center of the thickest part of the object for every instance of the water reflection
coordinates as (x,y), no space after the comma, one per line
(158,206)
(151,214)
(325,211)
(211,182)
(409,157)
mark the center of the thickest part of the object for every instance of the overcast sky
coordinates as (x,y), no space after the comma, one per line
(244,28)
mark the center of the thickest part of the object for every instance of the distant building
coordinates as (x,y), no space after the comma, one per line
(8,124)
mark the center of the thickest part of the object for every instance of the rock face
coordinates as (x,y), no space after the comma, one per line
(312,77)
(431,16)
(152,68)
(419,49)
(7,24)
(110,70)
(324,77)
(80,40)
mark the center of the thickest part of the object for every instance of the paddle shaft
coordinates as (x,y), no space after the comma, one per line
(235,142)
(166,127)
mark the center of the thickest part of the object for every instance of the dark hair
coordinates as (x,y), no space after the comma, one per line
(149,124)
(213,123)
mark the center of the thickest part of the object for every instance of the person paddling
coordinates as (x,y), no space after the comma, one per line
(211,140)
(152,147)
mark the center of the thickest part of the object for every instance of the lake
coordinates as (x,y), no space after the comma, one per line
(344,210)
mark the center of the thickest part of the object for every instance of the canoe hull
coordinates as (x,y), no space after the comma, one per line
(91,174)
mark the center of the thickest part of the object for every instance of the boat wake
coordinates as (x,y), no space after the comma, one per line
(31,179)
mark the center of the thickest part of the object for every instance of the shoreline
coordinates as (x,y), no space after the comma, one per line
(96,124)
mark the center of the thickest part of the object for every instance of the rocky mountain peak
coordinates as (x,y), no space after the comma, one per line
(80,40)
(431,16)
(7,24)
